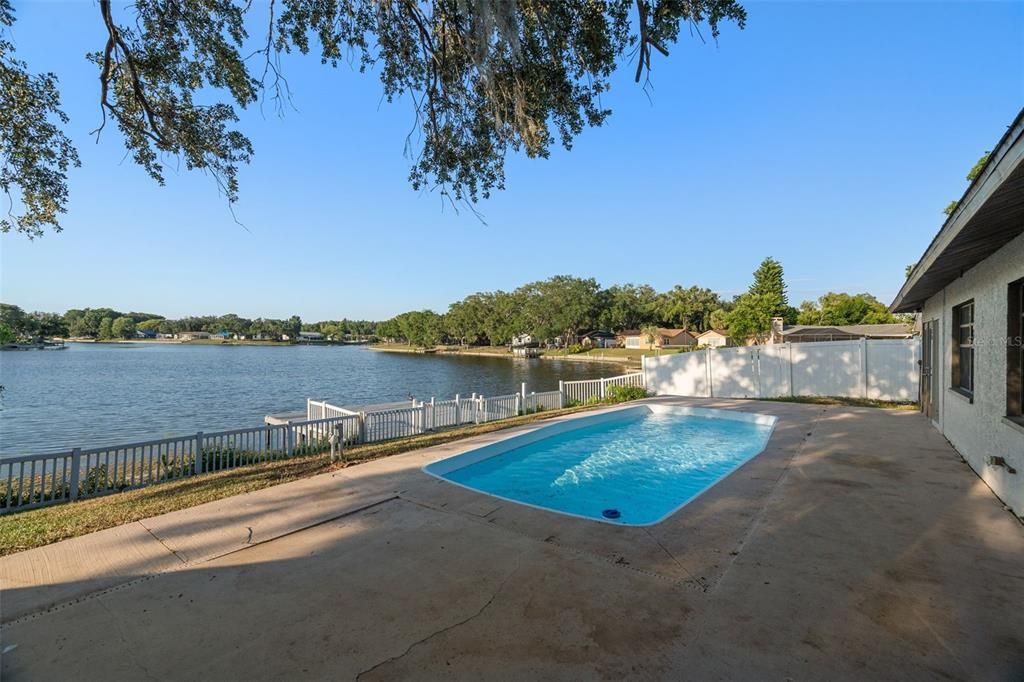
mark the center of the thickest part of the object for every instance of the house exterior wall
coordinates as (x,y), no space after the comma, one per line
(683,340)
(713,339)
(979,430)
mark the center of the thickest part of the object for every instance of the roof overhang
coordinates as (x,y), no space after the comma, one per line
(990,215)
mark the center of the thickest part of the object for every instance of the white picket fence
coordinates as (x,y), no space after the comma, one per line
(597,389)
(546,400)
(881,369)
(39,480)
(32,481)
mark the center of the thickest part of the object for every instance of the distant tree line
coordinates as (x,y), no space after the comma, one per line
(554,310)
(557,309)
(107,323)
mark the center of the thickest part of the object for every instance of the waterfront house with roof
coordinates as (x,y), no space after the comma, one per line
(715,338)
(665,338)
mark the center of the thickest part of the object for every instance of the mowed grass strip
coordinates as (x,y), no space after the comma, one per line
(37,527)
(847,402)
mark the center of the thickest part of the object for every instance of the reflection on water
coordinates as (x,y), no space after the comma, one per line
(96,394)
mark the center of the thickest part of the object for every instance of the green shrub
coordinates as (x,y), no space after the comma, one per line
(621,394)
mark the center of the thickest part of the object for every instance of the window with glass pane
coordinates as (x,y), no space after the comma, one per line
(1015,351)
(963,347)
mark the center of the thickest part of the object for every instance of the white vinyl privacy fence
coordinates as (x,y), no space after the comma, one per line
(881,369)
(33,481)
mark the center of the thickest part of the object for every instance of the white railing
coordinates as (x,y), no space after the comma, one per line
(499,407)
(581,391)
(34,481)
(390,424)
(547,400)
(39,480)
(320,409)
(592,390)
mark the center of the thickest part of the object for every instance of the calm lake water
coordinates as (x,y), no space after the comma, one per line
(99,394)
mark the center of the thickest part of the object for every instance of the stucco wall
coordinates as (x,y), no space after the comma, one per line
(979,430)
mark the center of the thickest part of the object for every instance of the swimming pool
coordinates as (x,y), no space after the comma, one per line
(634,466)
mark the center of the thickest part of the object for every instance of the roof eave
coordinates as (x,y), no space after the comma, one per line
(1000,165)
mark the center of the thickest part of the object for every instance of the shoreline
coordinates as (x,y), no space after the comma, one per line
(213,342)
(624,362)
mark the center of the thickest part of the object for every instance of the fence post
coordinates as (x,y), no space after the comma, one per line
(200,464)
(643,371)
(433,414)
(480,403)
(519,402)
(458,410)
(362,427)
(76,464)
(601,388)
(561,394)
(711,376)
(289,439)
(789,348)
(522,391)
(757,369)
(864,367)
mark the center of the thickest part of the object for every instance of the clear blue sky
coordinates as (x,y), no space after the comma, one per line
(828,135)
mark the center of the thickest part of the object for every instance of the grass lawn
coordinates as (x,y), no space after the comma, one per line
(848,402)
(37,527)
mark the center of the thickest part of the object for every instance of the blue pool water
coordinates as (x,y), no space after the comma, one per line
(642,465)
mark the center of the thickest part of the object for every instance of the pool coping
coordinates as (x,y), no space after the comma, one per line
(543,431)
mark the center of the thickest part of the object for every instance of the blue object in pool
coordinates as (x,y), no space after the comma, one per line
(641,466)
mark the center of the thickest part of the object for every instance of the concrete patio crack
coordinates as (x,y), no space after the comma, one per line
(447,628)
(164,544)
(699,581)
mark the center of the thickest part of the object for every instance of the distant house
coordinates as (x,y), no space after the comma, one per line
(524,341)
(311,336)
(715,338)
(145,334)
(223,334)
(800,333)
(598,339)
(161,335)
(665,338)
(191,336)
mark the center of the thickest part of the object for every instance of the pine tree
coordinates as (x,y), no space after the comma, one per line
(752,312)
(768,281)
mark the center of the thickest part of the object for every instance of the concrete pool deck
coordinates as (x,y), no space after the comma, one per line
(858,545)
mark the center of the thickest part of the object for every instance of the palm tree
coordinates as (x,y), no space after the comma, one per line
(651,332)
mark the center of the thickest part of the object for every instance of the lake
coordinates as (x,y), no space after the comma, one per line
(103,394)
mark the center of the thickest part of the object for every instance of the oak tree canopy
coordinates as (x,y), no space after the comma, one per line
(485,77)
